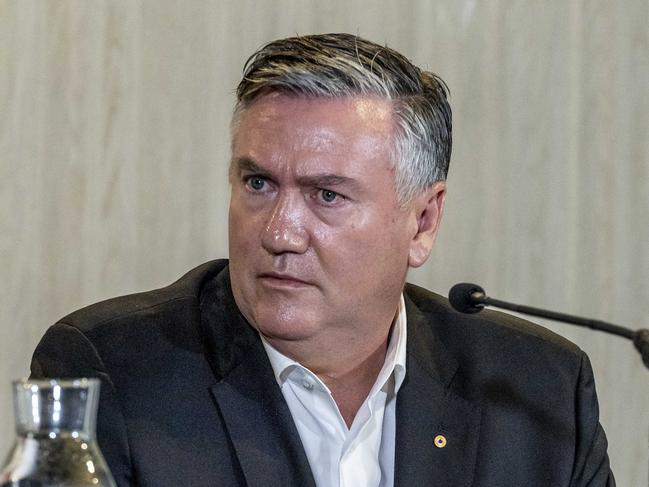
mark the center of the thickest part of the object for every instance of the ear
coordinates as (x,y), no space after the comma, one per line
(428,208)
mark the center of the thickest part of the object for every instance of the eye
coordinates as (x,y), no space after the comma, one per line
(256,183)
(328,196)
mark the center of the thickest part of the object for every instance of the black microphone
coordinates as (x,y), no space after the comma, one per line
(467,298)
(471,298)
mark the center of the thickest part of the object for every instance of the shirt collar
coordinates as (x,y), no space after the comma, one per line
(395,356)
(397,344)
(282,365)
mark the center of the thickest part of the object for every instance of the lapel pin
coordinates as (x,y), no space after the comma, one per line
(440,441)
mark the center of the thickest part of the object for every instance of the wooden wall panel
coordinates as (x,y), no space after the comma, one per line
(114,148)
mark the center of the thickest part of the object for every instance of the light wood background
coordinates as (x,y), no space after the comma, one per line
(114,146)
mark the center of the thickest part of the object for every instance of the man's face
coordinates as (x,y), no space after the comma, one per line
(319,247)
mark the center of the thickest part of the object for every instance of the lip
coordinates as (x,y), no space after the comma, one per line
(278,279)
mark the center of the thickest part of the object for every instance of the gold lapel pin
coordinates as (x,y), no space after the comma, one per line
(440,441)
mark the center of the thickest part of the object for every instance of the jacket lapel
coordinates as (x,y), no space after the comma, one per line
(261,429)
(428,412)
(255,415)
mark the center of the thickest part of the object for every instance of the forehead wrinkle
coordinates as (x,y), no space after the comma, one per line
(322,140)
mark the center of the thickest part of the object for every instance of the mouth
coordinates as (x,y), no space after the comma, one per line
(282,280)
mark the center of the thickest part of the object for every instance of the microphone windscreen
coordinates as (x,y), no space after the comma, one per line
(460,297)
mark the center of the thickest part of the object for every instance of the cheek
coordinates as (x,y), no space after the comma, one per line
(241,224)
(241,245)
(362,246)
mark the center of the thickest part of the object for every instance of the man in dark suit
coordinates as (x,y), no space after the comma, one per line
(305,359)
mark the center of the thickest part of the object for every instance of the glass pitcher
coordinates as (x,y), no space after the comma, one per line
(55,436)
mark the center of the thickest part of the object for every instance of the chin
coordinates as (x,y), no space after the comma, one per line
(285,324)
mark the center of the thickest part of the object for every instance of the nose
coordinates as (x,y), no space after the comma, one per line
(285,229)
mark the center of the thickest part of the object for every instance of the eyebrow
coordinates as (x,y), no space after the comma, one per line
(327,180)
(246,164)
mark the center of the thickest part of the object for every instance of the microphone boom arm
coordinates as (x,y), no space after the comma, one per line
(470,298)
(566,318)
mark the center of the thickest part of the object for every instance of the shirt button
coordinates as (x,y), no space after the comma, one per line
(307,384)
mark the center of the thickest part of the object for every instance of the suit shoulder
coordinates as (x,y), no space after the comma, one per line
(152,334)
(139,306)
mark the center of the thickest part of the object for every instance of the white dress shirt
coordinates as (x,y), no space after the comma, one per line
(362,455)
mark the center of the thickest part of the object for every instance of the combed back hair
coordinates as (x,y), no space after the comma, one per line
(344,65)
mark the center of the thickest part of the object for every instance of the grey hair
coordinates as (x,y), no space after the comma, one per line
(344,65)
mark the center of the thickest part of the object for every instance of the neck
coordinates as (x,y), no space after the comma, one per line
(349,372)
(347,361)
(350,387)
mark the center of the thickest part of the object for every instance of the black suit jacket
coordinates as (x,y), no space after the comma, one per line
(189,397)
